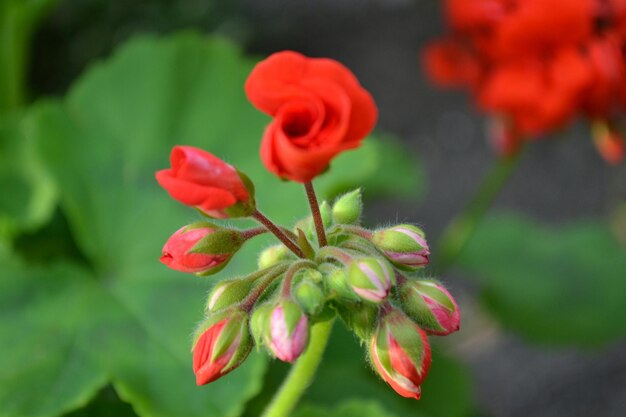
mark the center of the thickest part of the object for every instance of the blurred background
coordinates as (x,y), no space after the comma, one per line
(508,368)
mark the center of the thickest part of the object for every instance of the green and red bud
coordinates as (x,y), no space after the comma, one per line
(404,245)
(347,208)
(288,330)
(400,353)
(221,344)
(370,278)
(201,248)
(431,306)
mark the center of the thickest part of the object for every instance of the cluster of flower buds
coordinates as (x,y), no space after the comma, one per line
(326,266)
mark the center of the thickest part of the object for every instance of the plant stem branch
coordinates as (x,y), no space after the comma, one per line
(278,233)
(302,373)
(460,229)
(317,216)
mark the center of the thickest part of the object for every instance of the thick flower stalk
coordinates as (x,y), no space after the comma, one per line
(536,65)
(326,265)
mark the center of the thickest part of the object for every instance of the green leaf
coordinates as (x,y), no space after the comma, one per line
(354,408)
(559,285)
(28,194)
(102,145)
(46,365)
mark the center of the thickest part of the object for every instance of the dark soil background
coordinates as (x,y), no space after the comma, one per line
(559,179)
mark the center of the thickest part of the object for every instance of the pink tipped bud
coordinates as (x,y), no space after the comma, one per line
(201,249)
(431,306)
(289,331)
(370,278)
(400,353)
(404,245)
(609,143)
(222,344)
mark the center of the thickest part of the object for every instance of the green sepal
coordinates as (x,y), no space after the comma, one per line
(247,208)
(359,279)
(221,241)
(208,321)
(237,327)
(292,313)
(348,208)
(406,333)
(305,245)
(414,305)
(214,270)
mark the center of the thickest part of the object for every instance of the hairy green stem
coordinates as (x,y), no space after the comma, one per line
(302,373)
(460,229)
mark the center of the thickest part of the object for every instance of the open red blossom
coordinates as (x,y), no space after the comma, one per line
(538,64)
(319,110)
(199,179)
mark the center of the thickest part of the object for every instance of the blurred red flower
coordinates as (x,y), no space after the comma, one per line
(535,64)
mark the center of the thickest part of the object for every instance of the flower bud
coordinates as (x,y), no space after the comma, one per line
(404,245)
(339,285)
(326,213)
(221,344)
(431,306)
(227,293)
(359,317)
(310,296)
(260,323)
(274,255)
(201,248)
(347,208)
(400,353)
(289,331)
(370,278)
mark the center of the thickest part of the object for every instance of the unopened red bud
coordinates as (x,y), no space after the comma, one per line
(400,353)
(221,344)
(199,179)
(289,331)
(431,306)
(190,250)
(404,245)
(370,278)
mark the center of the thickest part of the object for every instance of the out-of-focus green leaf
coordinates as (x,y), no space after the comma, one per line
(345,373)
(384,162)
(102,145)
(355,408)
(46,365)
(562,285)
(27,193)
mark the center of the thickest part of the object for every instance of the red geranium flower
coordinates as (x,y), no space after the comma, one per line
(319,110)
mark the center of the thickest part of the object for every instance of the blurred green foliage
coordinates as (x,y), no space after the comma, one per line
(558,285)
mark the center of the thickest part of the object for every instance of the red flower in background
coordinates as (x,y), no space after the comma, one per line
(535,65)
(319,110)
